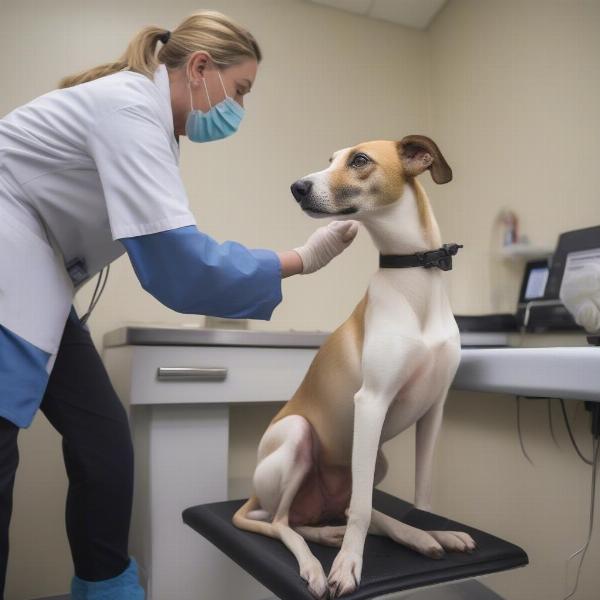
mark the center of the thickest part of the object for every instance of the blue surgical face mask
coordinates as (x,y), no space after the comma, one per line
(220,121)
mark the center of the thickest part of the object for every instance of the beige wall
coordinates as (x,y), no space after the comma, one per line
(515,88)
(508,89)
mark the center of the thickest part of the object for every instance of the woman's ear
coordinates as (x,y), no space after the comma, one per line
(197,64)
(418,153)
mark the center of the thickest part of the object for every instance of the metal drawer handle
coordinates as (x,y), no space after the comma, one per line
(191,373)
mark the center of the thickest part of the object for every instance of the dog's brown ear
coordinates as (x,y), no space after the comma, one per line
(419,153)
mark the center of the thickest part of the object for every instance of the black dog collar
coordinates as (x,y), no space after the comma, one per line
(440,258)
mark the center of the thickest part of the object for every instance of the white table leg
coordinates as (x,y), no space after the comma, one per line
(181,461)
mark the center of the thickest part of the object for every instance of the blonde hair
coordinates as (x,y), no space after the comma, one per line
(207,30)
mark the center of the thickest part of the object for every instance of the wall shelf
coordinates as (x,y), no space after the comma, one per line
(525,251)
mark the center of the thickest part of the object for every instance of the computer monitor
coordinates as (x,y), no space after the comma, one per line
(539,306)
(539,309)
(580,245)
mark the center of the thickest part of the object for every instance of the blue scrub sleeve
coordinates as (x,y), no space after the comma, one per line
(189,272)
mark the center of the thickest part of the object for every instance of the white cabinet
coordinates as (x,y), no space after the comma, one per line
(180,428)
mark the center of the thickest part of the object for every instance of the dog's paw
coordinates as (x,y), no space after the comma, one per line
(454,541)
(312,572)
(345,573)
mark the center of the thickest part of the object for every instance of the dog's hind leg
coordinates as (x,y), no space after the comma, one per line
(383,525)
(429,543)
(416,539)
(332,535)
(328,535)
(285,458)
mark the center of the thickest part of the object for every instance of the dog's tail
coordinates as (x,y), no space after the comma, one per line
(248,518)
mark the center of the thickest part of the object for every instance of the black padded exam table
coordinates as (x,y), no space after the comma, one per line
(388,567)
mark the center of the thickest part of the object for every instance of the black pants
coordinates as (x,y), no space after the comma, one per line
(83,407)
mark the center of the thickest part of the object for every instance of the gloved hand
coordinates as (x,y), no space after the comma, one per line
(326,243)
(580,293)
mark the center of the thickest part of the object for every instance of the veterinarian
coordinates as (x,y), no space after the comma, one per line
(88,172)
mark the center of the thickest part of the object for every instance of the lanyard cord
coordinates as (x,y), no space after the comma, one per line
(96,298)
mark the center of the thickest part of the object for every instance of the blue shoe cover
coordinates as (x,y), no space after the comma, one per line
(122,587)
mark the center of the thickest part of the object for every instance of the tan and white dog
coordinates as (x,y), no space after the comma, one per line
(387,367)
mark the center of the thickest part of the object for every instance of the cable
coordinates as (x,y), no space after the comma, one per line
(87,314)
(96,298)
(584,548)
(567,424)
(96,289)
(593,463)
(564,412)
(551,424)
(518,398)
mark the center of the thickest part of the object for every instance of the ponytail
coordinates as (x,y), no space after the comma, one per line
(210,31)
(139,57)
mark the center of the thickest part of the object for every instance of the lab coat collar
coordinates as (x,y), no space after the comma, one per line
(161,80)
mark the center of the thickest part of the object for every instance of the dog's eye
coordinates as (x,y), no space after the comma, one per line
(360,160)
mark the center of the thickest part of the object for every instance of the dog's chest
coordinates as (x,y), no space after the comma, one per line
(409,303)
(410,309)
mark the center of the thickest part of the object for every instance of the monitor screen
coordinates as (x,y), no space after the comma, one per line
(536,283)
(535,278)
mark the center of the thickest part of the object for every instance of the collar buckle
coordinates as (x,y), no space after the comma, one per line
(441,258)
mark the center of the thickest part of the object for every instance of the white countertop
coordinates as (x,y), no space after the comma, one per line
(571,372)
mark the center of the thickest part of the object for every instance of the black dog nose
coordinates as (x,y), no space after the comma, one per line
(301,189)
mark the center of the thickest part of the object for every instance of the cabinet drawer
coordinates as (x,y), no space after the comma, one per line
(205,374)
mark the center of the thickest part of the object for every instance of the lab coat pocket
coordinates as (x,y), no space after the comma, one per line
(35,290)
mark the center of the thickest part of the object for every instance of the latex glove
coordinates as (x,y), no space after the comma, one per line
(580,293)
(326,243)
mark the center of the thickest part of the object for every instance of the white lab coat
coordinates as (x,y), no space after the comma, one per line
(80,168)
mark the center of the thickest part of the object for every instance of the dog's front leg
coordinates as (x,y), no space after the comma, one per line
(387,363)
(442,370)
(427,431)
(369,415)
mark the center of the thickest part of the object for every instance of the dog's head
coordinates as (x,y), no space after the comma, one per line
(368,176)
